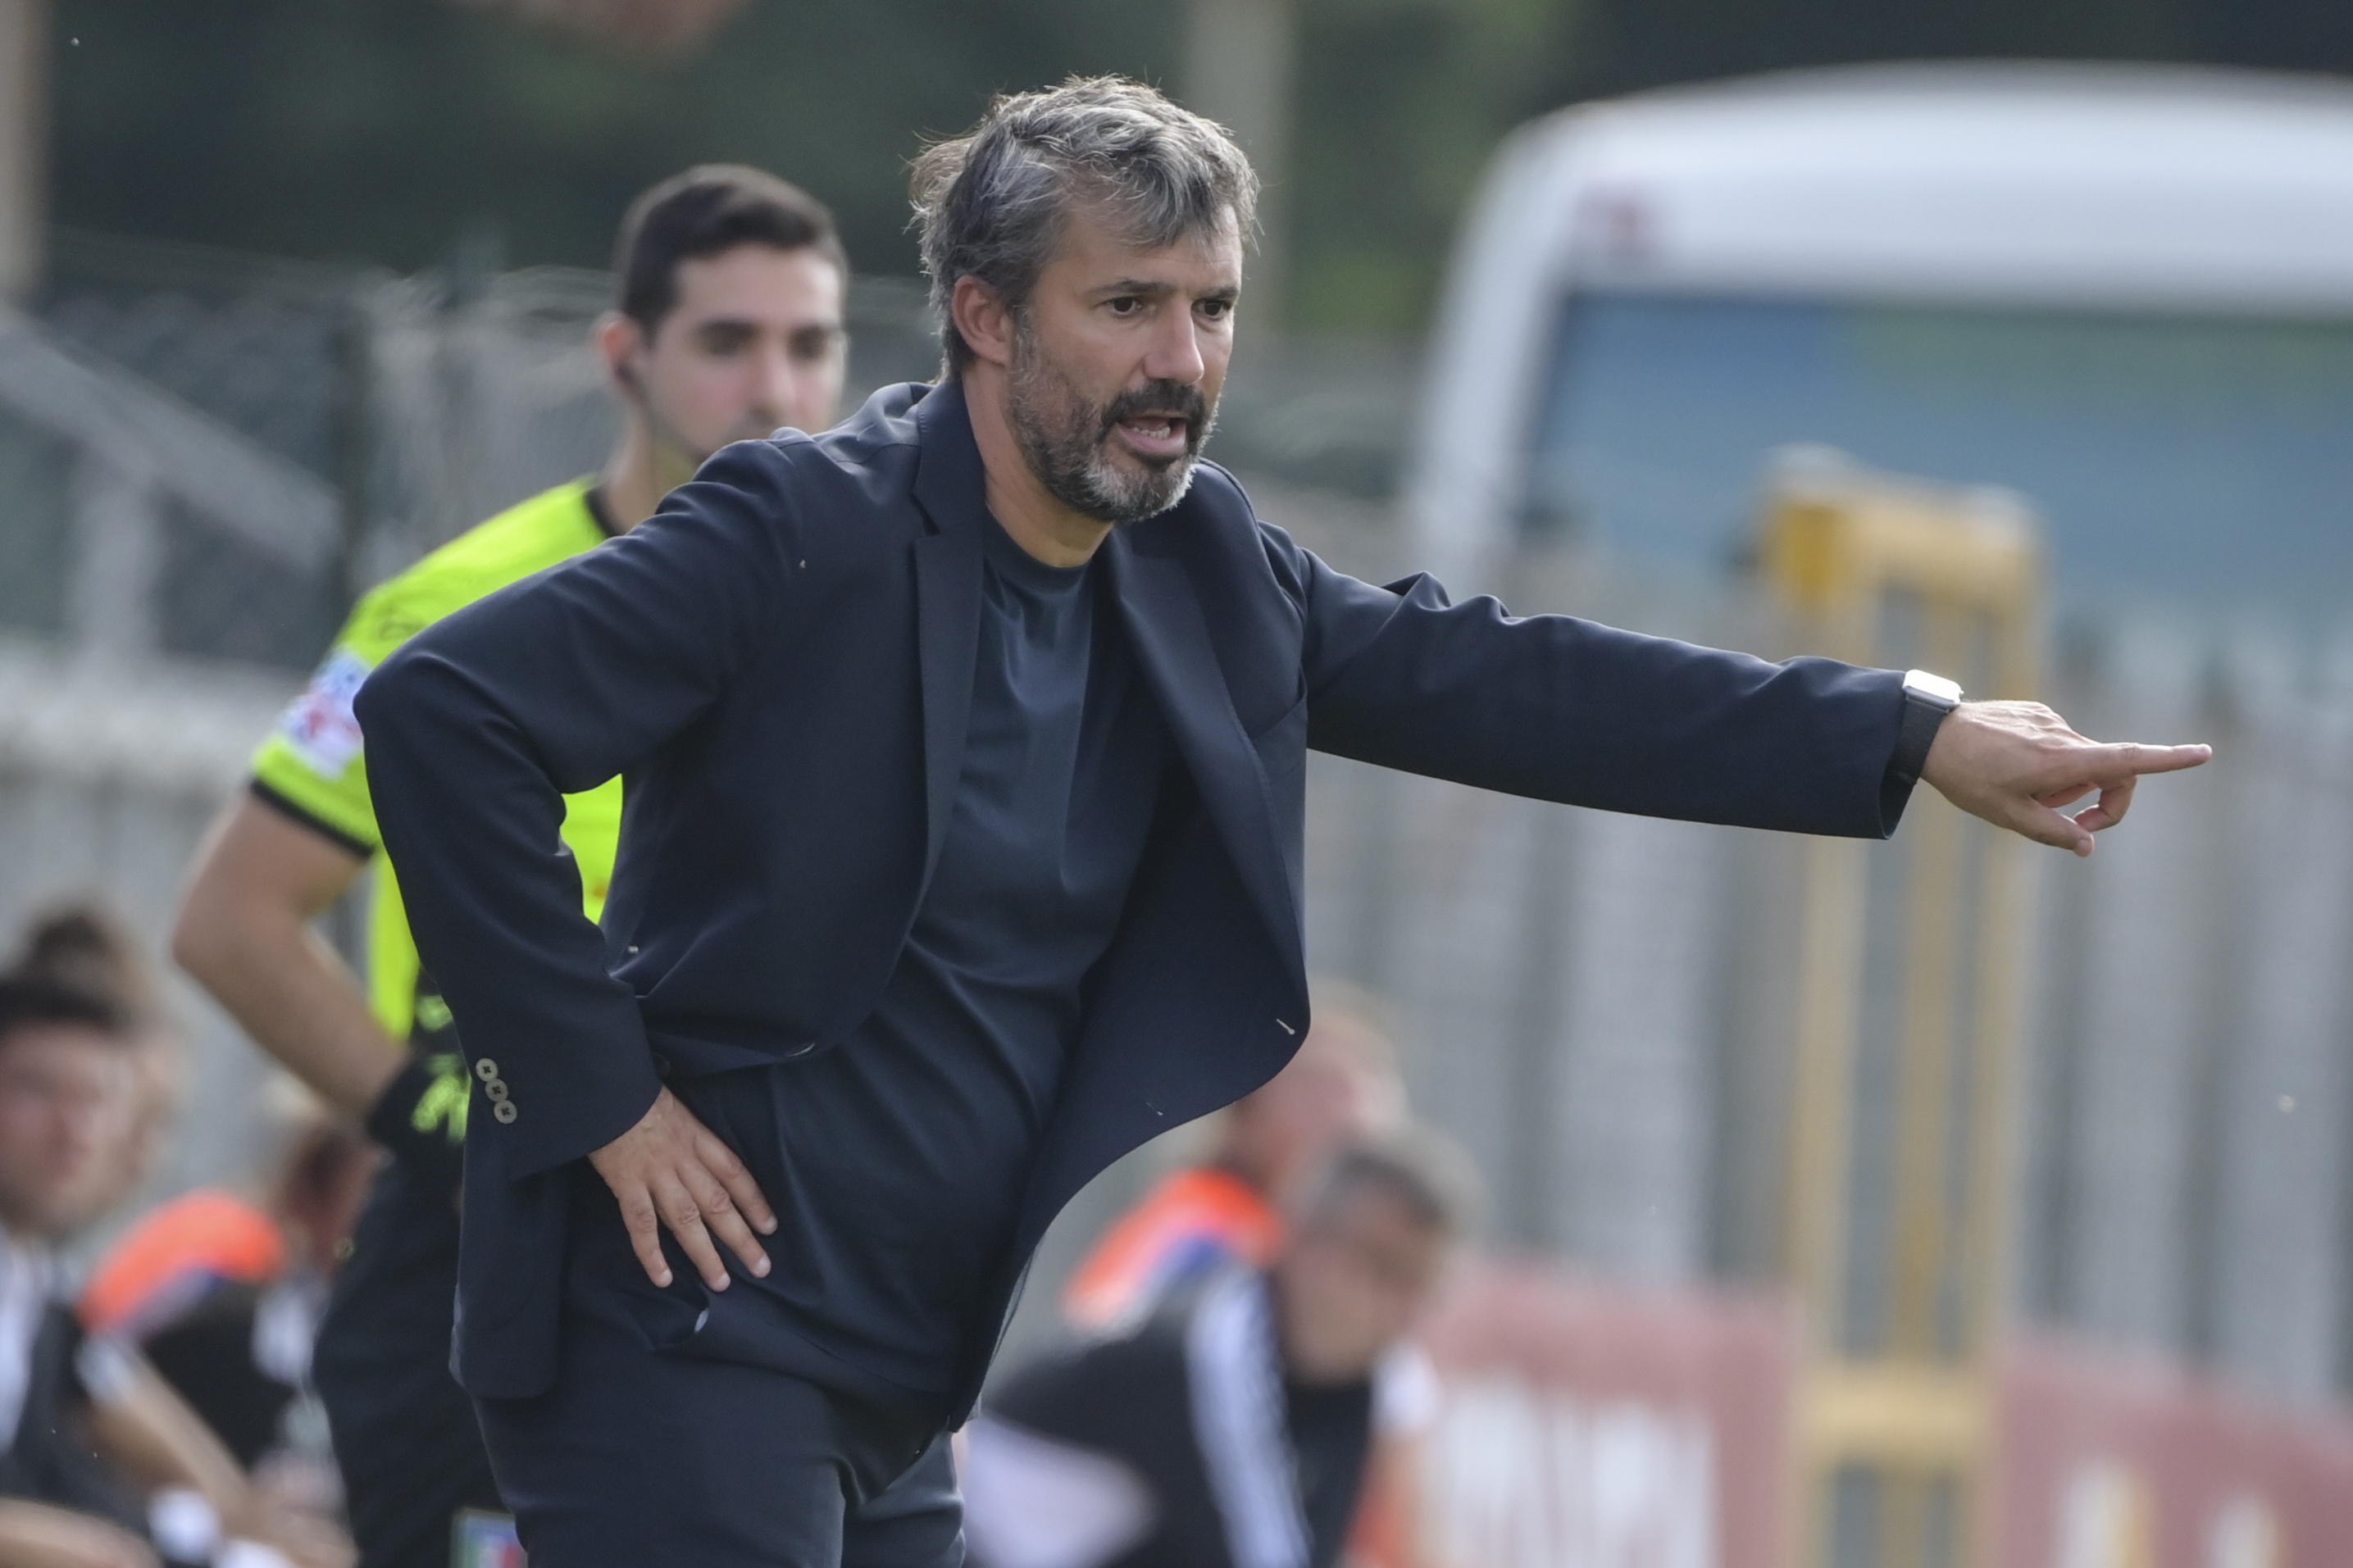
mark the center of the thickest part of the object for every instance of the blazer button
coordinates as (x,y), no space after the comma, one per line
(804,1048)
(486,1069)
(504,1110)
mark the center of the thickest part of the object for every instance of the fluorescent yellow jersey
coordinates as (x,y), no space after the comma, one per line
(311,766)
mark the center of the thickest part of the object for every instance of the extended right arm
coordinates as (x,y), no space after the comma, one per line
(1560,709)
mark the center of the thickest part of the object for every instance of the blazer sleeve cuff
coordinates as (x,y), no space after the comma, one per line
(1895,794)
(601,1099)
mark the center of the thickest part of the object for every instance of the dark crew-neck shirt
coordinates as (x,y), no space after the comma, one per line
(897,1160)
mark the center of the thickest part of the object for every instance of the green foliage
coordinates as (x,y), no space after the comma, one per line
(1632,44)
(1400,103)
(383,129)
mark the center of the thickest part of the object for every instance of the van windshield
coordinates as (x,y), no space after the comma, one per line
(2201,461)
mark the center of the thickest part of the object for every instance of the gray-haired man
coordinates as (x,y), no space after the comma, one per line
(964,750)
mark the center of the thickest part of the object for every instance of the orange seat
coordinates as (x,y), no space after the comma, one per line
(1193,1218)
(203,1235)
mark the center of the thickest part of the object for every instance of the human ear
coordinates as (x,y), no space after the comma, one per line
(980,316)
(620,339)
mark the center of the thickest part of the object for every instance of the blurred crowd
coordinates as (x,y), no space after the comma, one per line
(1249,1317)
(154,1408)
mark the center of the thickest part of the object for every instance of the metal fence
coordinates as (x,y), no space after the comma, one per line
(400,410)
(199,463)
(1596,1006)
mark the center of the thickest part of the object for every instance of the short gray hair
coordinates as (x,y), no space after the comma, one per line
(991,203)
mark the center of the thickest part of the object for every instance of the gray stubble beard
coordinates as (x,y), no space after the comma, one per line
(1065,440)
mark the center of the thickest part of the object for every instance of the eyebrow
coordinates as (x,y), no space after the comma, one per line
(748,324)
(1158,290)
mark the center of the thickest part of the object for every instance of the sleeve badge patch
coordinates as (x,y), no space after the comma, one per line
(320,726)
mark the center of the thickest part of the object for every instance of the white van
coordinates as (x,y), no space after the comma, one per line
(2125,291)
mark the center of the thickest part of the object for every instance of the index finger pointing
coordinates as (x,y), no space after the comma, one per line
(2129,759)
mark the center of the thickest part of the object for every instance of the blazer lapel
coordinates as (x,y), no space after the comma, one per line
(1164,624)
(949,488)
(1171,638)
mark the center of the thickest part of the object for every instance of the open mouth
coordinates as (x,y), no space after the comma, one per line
(1155,436)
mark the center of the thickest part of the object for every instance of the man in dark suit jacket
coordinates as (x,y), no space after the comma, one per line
(962,750)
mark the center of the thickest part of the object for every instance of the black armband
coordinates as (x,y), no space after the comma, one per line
(429,1151)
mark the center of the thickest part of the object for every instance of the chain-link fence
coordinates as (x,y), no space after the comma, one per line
(404,409)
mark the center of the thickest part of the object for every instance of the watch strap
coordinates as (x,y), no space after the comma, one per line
(1926,700)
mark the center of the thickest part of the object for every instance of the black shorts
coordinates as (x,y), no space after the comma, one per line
(406,1437)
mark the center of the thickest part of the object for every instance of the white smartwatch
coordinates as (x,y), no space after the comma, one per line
(1926,700)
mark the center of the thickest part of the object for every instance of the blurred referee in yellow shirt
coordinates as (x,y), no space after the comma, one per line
(729,325)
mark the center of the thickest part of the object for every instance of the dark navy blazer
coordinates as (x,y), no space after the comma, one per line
(779,663)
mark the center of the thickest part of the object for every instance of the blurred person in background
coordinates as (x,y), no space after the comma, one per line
(1231,1426)
(1343,1086)
(224,1298)
(94,1446)
(1227,1208)
(729,324)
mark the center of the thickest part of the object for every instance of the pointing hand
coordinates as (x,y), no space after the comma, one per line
(2016,763)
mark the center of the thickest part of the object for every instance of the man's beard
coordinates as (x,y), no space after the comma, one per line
(1067,438)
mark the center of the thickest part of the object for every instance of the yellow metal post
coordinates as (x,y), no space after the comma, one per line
(1897,1401)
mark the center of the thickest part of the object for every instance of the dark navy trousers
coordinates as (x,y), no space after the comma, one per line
(642,1456)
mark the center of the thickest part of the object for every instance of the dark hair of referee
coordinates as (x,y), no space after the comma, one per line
(704,211)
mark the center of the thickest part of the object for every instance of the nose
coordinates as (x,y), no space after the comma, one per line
(776,392)
(1176,351)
